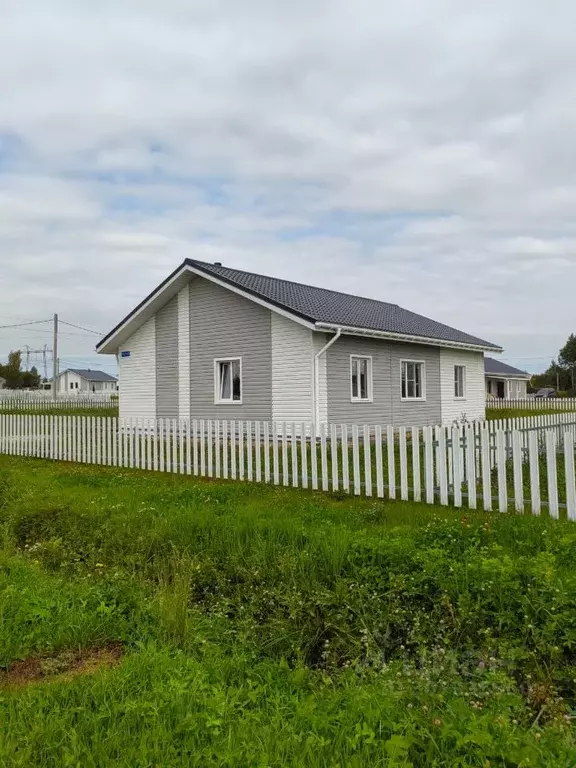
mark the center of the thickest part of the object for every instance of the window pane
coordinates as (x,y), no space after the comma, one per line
(236,383)
(354,364)
(403,379)
(364,379)
(225,384)
(417,380)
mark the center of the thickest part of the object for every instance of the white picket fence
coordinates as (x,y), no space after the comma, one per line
(14,402)
(532,403)
(470,466)
(543,421)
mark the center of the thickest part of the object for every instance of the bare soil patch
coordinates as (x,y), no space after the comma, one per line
(61,666)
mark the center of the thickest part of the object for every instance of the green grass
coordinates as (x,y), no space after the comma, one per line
(270,627)
(520,413)
(46,410)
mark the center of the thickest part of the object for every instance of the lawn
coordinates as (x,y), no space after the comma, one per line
(521,413)
(47,410)
(161,620)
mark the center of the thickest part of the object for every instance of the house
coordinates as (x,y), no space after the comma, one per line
(212,342)
(77,380)
(504,381)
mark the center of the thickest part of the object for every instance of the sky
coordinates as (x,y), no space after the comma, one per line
(421,153)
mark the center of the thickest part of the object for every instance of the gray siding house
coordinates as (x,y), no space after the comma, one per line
(213,342)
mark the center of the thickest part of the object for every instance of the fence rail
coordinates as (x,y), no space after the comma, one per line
(532,403)
(470,466)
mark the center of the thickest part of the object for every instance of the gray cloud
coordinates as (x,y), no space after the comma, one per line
(422,155)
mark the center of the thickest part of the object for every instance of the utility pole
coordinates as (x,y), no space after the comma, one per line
(55,358)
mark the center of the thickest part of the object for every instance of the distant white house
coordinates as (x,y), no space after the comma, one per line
(76,380)
(504,381)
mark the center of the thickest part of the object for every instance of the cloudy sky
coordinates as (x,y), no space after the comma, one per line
(422,153)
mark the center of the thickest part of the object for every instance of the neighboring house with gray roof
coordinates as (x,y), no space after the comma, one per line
(213,342)
(504,381)
(83,380)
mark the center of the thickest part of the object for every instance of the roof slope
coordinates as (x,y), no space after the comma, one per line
(498,368)
(320,305)
(86,373)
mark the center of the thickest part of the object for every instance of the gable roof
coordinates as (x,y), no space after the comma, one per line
(90,375)
(320,305)
(318,308)
(494,367)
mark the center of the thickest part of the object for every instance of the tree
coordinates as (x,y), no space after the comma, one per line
(561,374)
(31,378)
(12,372)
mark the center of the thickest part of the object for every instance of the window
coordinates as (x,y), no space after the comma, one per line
(413,380)
(459,381)
(228,380)
(361,378)
(71,385)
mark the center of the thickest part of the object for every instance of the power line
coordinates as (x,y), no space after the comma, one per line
(88,330)
(20,325)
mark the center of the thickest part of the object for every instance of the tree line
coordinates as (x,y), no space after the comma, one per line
(561,373)
(15,377)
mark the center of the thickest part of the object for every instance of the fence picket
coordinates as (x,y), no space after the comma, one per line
(367,461)
(314,457)
(284,455)
(355,460)
(486,468)
(266,452)
(442,466)
(570,475)
(457,468)
(294,450)
(379,468)
(323,457)
(304,455)
(390,447)
(416,479)
(501,471)
(334,457)
(429,464)
(551,474)
(518,473)
(403,465)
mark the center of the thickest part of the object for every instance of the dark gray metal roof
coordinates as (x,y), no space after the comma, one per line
(319,305)
(86,373)
(498,368)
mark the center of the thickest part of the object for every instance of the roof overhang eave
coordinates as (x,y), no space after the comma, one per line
(406,338)
(520,375)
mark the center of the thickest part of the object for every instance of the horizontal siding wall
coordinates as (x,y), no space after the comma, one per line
(473,404)
(292,371)
(387,406)
(167,361)
(340,407)
(184,353)
(137,373)
(223,325)
(319,340)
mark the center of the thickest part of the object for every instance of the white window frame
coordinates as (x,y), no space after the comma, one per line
(370,397)
(464,383)
(217,399)
(407,399)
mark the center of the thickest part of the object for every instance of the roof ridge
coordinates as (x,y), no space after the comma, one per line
(294,282)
